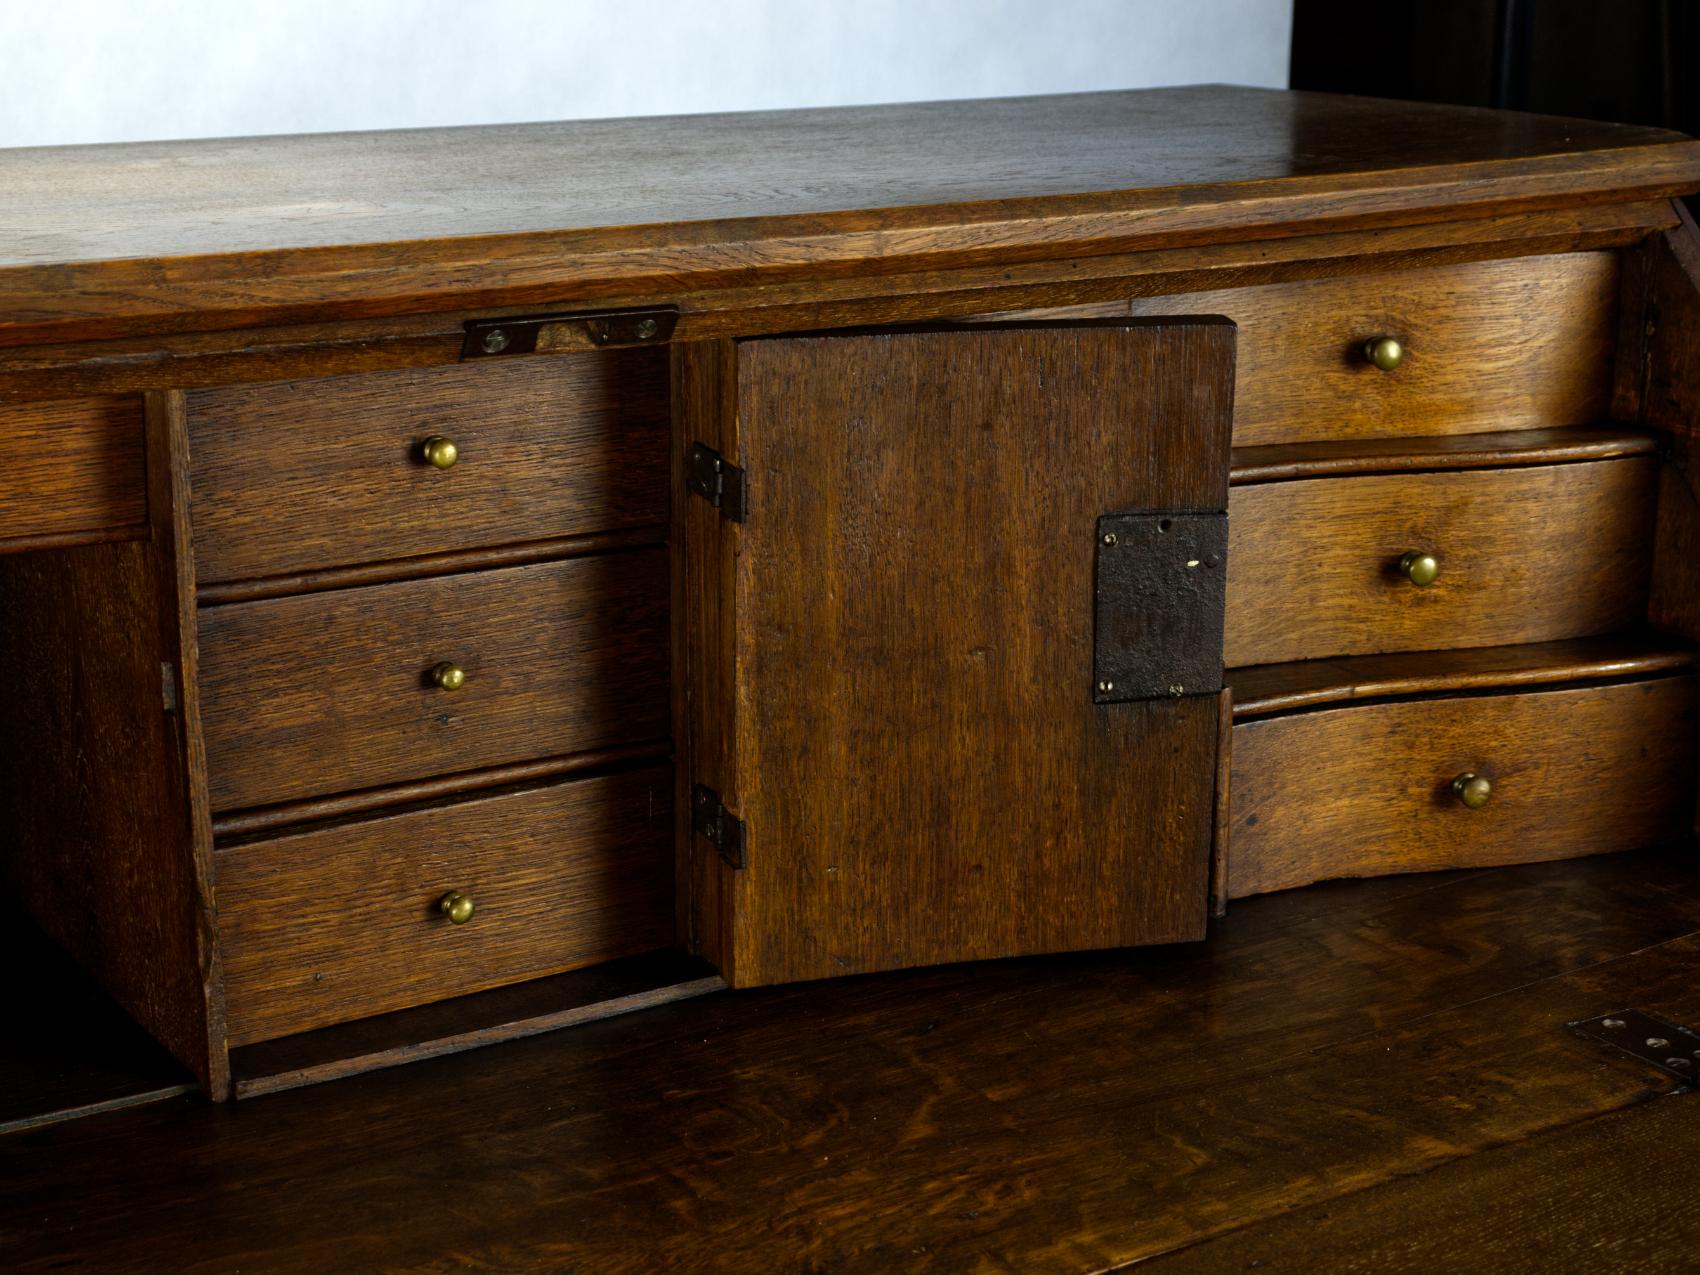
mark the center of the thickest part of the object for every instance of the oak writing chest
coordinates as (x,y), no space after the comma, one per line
(463,582)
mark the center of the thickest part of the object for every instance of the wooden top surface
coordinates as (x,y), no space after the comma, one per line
(1327,1054)
(376,222)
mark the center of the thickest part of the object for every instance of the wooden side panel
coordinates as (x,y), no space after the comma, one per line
(102,775)
(1670,401)
(330,692)
(340,922)
(914,744)
(1526,555)
(1367,790)
(1489,345)
(309,474)
(72,471)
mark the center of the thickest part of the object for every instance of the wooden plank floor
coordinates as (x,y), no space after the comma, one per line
(1375,1073)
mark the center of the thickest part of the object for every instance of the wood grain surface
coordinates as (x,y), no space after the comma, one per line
(913,740)
(1070,1114)
(1260,689)
(72,472)
(1670,401)
(330,692)
(1526,555)
(107,839)
(1490,345)
(1595,1196)
(183,235)
(1367,789)
(340,922)
(312,474)
(512,1011)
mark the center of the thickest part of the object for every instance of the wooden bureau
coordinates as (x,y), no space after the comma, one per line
(610,561)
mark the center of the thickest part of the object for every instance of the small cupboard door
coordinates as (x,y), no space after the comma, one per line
(953,617)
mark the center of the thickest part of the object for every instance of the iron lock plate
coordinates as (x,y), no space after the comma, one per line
(1161,588)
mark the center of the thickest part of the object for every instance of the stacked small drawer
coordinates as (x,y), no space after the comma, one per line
(1438,578)
(434,679)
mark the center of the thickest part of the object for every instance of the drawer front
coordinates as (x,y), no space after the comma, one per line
(311,474)
(1525,555)
(333,692)
(337,923)
(1487,346)
(72,471)
(1368,790)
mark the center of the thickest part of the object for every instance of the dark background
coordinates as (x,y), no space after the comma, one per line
(1630,61)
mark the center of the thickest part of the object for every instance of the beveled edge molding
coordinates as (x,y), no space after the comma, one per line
(245,824)
(271,344)
(1264,689)
(1279,462)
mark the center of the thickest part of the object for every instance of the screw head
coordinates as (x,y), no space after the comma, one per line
(1106,687)
(647,328)
(495,341)
(1109,537)
(1612,1024)
(1657,1042)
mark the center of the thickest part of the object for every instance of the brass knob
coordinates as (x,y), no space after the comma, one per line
(1419,568)
(448,675)
(440,451)
(457,906)
(1472,789)
(1385,352)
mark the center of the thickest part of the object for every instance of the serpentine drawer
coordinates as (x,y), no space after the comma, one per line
(1518,555)
(1369,789)
(1514,344)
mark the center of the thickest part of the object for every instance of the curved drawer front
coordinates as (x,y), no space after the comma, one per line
(338,923)
(1369,790)
(305,475)
(334,692)
(1521,555)
(1489,345)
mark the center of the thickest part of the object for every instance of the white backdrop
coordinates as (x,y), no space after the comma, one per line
(128,70)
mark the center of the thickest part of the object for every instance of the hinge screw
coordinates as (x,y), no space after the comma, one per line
(1615,1024)
(495,341)
(1106,687)
(647,328)
(1109,537)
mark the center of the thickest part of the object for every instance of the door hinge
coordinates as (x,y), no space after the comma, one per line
(718,825)
(716,479)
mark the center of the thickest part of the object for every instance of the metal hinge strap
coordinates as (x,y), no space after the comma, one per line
(717,825)
(716,479)
(1647,1039)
